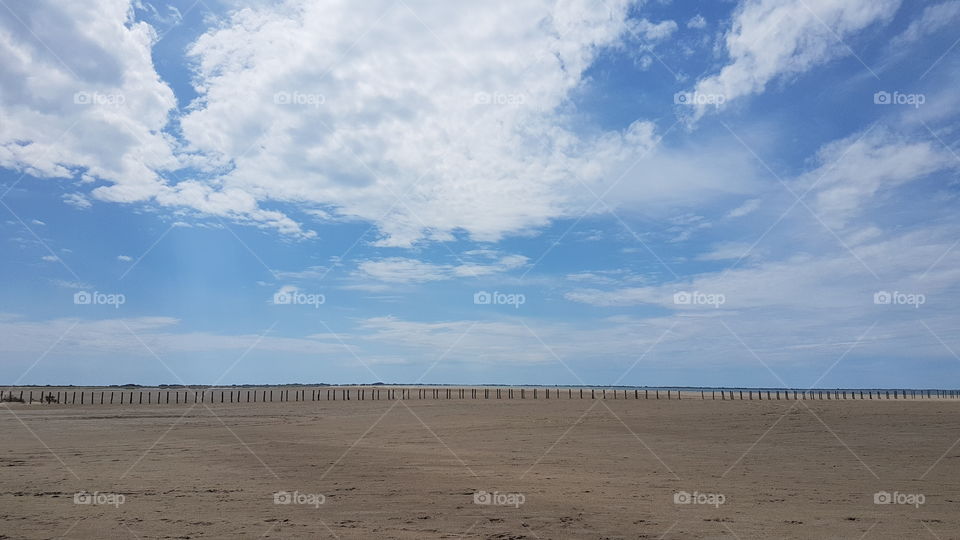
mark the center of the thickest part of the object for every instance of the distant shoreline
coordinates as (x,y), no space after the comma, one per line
(484,385)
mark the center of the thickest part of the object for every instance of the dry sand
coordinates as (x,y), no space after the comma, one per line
(410,469)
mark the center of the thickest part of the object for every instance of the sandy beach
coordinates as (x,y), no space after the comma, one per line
(439,468)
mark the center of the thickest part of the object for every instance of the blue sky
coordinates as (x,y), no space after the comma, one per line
(748,193)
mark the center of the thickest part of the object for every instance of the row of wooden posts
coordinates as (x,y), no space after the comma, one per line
(347,394)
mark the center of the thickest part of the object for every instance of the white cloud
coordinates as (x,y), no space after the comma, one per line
(77,200)
(855,169)
(124,258)
(37,222)
(932,19)
(727,251)
(653,31)
(406,270)
(697,21)
(50,258)
(341,108)
(771,39)
(81,95)
(748,207)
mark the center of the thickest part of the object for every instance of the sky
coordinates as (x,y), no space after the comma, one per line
(611,192)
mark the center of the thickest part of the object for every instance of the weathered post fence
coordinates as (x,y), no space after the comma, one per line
(242,395)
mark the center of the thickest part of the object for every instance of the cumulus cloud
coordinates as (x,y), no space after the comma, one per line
(933,18)
(81,98)
(424,120)
(773,39)
(406,270)
(697,21)
(853,170)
